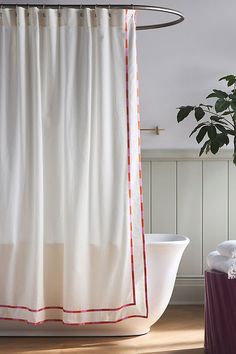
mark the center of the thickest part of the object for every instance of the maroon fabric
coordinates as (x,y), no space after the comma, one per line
(220,313)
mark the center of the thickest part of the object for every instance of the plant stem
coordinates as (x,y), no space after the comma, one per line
(227,121)
(218,115)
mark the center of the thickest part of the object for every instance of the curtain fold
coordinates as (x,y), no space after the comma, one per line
(72,245)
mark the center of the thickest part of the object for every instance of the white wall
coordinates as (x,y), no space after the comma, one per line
(180,64)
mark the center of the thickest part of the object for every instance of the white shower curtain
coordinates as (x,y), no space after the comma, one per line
(72,245)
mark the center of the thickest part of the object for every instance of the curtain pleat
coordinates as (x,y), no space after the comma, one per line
(72,243)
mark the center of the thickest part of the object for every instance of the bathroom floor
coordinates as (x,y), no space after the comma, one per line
(179,331)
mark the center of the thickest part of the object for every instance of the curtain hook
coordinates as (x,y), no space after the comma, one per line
(109,10)
(59,10)
(133,8)
(28,10)
(95,10)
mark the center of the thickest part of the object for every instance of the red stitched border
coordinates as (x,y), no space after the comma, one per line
(71,324)
(64,310)
(131,239)
(128,148)
(140,185)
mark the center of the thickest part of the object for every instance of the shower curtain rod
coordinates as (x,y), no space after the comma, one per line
(114,6)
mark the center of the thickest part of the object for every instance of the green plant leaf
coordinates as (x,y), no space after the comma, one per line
(219,120)
(228,77)
(231,79)
(206,105)
(222,139)
(215,146)
(234,157)
(211,95)
(233,106)
(201,134)
(211,131)
(227,113)
(184,112)
(215,118)
(226,139)
(199,113)
(221,128)
(196,128)
(220,94)
(204,147)
(231,132)
(232,97)
(231,82)
(221,105)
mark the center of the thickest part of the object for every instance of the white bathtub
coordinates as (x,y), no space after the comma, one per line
(164,253)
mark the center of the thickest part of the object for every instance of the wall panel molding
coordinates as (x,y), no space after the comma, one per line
(184,155)
(195,197)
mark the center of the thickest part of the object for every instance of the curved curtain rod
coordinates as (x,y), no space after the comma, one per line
(114,6)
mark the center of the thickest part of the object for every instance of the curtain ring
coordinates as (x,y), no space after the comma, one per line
(133,10)
(81,8)
(1,12)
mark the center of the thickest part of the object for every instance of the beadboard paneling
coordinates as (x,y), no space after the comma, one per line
(195,197)
(232,201)
(163,197)
(146,166)
(189,214)
(215,205)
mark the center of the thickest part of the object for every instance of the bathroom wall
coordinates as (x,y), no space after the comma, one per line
(193,197)
(179,65)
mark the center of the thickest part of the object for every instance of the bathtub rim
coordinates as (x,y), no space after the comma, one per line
(165,239)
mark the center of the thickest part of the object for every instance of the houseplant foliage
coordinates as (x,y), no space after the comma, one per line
(215,123)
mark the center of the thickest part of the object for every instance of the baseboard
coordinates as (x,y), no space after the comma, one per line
(188,291)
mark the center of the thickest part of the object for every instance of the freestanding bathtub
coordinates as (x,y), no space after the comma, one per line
(164,253)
